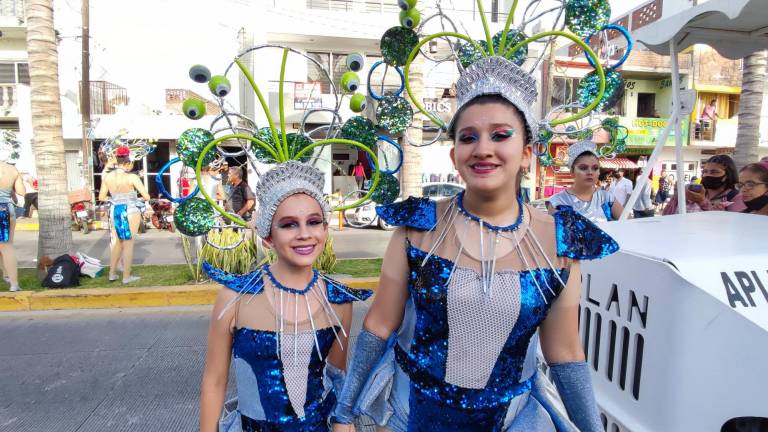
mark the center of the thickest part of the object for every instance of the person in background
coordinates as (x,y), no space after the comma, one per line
(526,185)
(663,193)
(710,112)
(211,183)
(622,187)
(584,196)
(241,200)
(644,206)
(121,187)
(717,190)
(10,185)
(30,198)
(359,172)
(753,186)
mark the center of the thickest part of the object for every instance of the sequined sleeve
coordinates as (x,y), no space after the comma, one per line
(417,213)
(339,293)
(578,238)
(249,283)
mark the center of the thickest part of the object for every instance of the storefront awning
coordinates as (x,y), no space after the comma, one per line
(618,163)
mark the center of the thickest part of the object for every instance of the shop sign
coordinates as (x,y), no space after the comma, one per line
(440,106)
(307,95)
(645,131)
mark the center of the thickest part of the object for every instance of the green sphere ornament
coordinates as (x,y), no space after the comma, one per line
(410,18)
(190,145)
(621,145)
(406,4)
(394,114)
(360,129)
(544,135)
(396,45)
(350,82)
(194,217)
(193,108)
(357,103)
(387,191)
(590,85)
(219,85)
(468,54)
(545,160)
(514,37)
(585,17)
(296,143)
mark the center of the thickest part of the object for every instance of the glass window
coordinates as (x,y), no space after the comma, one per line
(23,73)
(315,74)
(7,73)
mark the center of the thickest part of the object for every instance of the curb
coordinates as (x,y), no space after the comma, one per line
(110,298)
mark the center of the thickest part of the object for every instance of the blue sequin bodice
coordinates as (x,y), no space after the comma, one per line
(444,390)
(256,351)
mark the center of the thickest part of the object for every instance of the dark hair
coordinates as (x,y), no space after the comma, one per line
(484,100)
(123,160)
(760,169)
(581,155)
(731,174)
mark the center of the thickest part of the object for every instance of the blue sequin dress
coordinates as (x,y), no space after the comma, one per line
(283,380)
(464,358)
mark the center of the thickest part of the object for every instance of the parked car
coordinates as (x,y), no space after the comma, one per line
(365,215)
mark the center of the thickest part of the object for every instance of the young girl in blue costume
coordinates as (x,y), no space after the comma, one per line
(450,341)
(284,324)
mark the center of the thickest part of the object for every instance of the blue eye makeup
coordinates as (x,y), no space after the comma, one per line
(503,134)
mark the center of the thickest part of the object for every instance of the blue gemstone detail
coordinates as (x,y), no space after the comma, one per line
(579,238)
(417,213)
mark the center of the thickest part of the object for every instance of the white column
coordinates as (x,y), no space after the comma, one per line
(678,129)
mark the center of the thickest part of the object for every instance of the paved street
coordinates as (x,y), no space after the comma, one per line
(161,247)
(109,370)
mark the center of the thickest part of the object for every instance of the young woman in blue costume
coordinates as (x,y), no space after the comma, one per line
(284,324)
(450,341)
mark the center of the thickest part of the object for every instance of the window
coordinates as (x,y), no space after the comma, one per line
(646,104)
(14,73)
(315,74)
(564,91)
(733,105)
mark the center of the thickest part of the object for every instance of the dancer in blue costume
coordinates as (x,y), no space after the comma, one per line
(122,189)
(285,324)
(469,285)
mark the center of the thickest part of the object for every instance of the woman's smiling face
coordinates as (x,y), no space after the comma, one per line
(299,231)
(489,148)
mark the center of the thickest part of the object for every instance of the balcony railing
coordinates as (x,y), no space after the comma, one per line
(8,100)
(106,97)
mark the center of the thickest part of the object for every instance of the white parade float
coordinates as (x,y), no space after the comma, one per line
(675,325)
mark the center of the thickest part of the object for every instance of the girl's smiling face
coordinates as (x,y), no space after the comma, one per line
(489,148)
(299,231)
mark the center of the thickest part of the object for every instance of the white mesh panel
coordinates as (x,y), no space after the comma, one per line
(479,325)
(296,367)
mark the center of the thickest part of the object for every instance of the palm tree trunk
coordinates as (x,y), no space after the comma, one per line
(55,236)
(411,172)
(750,109)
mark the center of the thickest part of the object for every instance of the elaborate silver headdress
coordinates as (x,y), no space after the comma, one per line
(575,150)
(499,76)
(286,179)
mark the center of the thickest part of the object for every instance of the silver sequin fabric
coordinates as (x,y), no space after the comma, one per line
(499,76)
(594,210)
(479,325)
(282,181)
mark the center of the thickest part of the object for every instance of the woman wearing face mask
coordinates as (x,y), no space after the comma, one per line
(753,185)
(717,190)
(583,196)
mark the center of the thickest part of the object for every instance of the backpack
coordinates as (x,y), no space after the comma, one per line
(63,273)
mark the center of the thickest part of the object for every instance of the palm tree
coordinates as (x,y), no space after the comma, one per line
(55,236)
(750,108)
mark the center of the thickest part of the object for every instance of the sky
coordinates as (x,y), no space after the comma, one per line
(149,45)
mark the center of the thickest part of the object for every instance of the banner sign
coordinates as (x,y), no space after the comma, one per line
(645,131)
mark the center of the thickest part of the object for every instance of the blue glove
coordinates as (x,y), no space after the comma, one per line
(368,350)
(574,383)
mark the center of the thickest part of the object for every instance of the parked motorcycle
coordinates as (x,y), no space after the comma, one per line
(81,209)
(162,215)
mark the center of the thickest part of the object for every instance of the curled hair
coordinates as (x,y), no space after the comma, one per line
(731,174)
(484,100)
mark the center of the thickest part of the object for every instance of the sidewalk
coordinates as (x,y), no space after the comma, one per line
(103,298)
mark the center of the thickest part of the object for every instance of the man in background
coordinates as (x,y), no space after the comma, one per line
(621,187)
(241,198)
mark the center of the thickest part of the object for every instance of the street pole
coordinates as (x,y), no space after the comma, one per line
(85,97)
